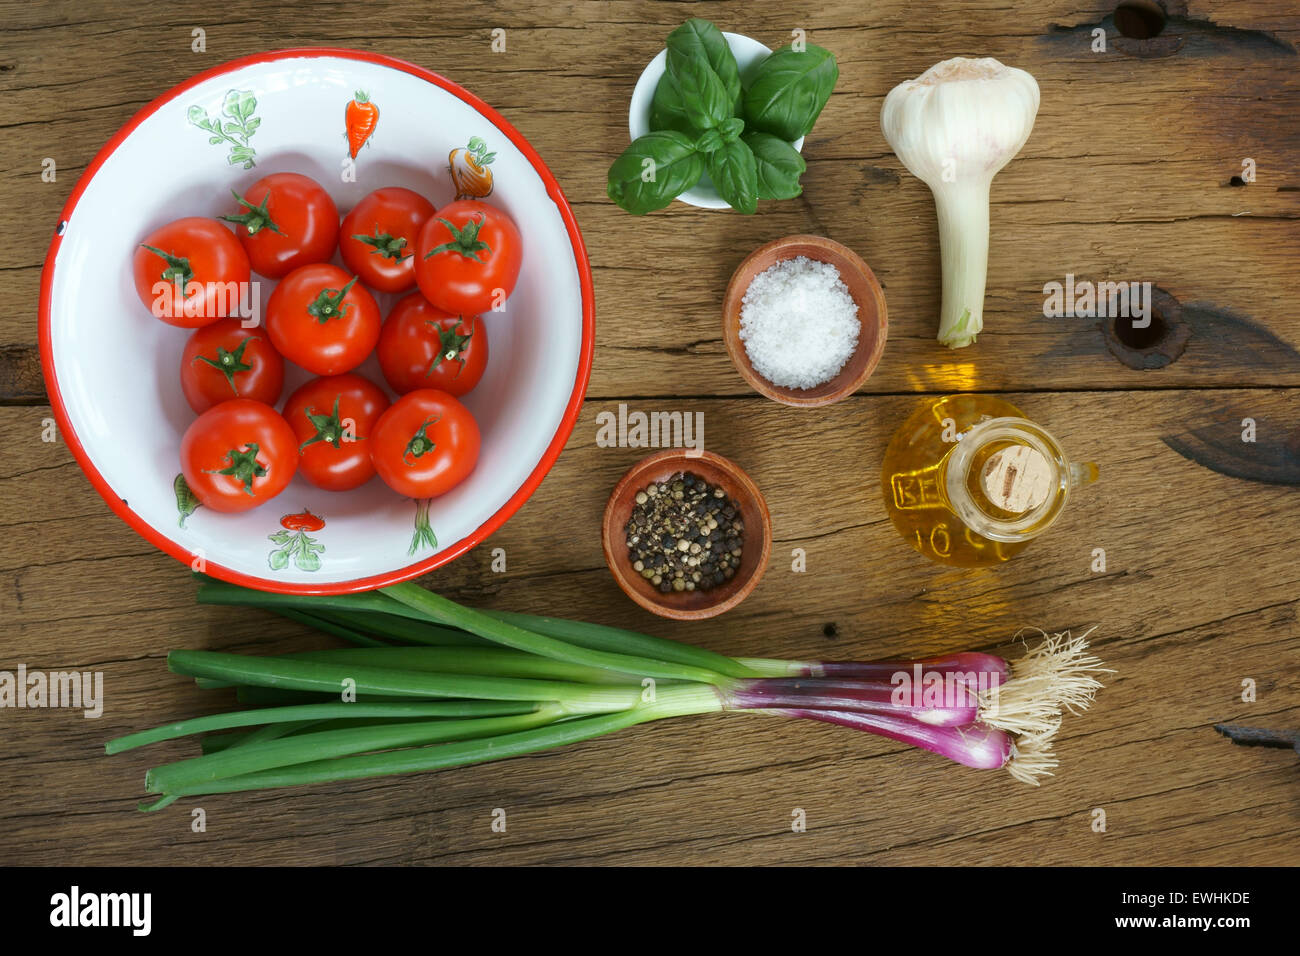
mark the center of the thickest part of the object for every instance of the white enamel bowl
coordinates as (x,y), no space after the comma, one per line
(112,369)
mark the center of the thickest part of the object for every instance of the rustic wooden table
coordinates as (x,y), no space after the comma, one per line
(1134,171)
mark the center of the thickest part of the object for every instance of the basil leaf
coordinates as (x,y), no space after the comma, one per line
(653,171)
(709,141)
(698,39)
(788,91)
(735,175)
(779,165)
(731,129)
(667,110)
(704,97)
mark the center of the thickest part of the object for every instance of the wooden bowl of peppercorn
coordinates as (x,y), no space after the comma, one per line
(687,534)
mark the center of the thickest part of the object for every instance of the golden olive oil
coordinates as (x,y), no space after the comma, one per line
(969,481)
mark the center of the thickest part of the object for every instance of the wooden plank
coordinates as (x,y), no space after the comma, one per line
(1128,175)
(1173,608)
(1084,198)
(21,380)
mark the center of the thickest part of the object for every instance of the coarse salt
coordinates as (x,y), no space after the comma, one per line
(799,323)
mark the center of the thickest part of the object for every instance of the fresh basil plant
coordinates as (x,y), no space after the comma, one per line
(703,119)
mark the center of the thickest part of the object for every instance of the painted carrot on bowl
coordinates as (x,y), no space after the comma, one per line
(360,119)
(469,169)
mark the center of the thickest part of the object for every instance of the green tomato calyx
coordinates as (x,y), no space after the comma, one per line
(329,428)
(329,303)
(178,269)
(243,465)
(385,244)
(256,218)
(464,240)
(452,346)
(229,362)
(420,443)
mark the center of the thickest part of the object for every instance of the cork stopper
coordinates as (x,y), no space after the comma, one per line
(1017,479)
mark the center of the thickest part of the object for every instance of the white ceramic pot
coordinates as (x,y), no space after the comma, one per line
(748,53)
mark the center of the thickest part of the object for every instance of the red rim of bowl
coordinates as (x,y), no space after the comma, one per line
(498,518)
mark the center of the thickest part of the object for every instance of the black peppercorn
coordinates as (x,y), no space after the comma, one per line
(684,534)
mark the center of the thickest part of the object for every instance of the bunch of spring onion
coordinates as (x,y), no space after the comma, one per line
(432,684)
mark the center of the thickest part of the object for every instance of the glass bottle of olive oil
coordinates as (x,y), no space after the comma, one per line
(969,481)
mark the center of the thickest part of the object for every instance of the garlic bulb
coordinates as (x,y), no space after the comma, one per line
(954,127)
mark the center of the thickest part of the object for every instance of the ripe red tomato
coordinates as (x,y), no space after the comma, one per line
(468,257)
(238,455)
(421,346)
(224,360)
(321,319)
(425,444)
(286,220)
(378,237)
(190,250)
(334,418)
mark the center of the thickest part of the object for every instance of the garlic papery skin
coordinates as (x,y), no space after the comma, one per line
(954,127)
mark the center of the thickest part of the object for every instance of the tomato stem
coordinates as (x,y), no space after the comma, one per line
(243,465)
(256,218)
(228,363)
(420,443)
(386,245)
(329,304)
(178,269)
(464,240)
(329,428)
(452,346)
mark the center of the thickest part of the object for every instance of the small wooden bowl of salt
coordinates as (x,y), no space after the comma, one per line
(804,320)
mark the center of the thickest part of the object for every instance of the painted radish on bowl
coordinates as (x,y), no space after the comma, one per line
(295,542)
(302,521)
